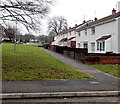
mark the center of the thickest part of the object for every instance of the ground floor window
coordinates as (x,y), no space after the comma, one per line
(93,46)
(85,45)
(101,46)
(78,45)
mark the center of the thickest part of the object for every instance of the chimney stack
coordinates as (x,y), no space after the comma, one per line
(75,25)
(113,11)
(95,19)
(84,21)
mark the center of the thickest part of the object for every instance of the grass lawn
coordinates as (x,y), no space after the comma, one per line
(110,69)
(32,63)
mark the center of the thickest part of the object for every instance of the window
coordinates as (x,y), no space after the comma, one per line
(93,46)
(98,46)
(79,33)
(70,32)
(68,43)
(74,32)
(85,31)
(78,45)
(101,46)
(85,45)
(93,30)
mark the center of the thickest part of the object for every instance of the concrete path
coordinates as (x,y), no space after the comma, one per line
(101,77)
(103,82)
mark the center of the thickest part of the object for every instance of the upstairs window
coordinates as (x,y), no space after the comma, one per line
(79,33)
(93,30)
(74,32)
(85,31)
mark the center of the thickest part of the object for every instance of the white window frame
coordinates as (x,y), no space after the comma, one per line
(93,30)
(79,33)
(78,45)
(85,31)
(85,44)
(74,32)
(101,46)
(93,46)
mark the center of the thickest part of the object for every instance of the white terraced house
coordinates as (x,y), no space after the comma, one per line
(66,38)
(100,36)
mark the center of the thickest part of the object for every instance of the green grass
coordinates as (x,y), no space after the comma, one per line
(110,69)
(32,63)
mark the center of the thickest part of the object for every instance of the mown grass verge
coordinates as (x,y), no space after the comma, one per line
(32,63)
(110,69)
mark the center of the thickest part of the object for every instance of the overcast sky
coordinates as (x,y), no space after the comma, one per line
(76,10)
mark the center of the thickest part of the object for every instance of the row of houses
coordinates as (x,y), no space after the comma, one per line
(98,35)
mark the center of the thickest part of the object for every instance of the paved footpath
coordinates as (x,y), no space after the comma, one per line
(103,82)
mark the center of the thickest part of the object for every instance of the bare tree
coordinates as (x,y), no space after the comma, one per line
(57,24)
(42,39)
(28,37)
(50,37)
(26,12)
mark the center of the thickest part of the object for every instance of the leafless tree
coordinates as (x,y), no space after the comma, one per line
(50,37)
(26,12)
(42,39)
(57,24)
(28,37)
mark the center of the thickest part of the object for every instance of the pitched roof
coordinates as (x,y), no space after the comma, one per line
(106,18)
(69,29)
(71,38)
(92,23)
(64,39)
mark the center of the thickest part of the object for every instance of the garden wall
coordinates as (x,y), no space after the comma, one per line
(102,59)
(82,55)
(76,53)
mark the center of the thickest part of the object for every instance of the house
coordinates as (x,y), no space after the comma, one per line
(100,36)
(66,38)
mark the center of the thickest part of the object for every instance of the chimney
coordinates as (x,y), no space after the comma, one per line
(95,19)
(75,25)
(113,11)
(84,21)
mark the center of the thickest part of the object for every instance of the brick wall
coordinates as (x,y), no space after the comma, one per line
(82,55)
(52,48)
(102,59)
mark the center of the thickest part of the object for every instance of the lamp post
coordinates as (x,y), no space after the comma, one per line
(15,38)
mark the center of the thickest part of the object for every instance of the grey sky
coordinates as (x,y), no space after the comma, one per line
(76,10)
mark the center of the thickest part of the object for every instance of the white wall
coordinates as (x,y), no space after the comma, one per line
(101,30)
(119,6)
(119,35)
(61,36)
